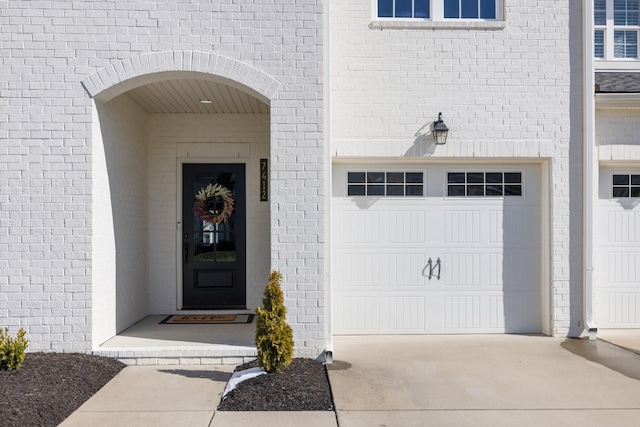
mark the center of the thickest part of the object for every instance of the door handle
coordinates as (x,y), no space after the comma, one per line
(439,265)
(185,250)
(430,267)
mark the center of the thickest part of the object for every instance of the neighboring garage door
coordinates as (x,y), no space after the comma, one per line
(619,257)
(436,249)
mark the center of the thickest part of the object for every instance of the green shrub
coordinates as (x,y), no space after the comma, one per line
(274,337)
(12,349)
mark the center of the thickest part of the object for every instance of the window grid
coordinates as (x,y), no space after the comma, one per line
(625,185)
(470,9)
(438,10)
(484,184)
(625,44)
(403,9)
(616,25)
(385,184)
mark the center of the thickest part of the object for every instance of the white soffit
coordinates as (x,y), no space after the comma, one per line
(185,96)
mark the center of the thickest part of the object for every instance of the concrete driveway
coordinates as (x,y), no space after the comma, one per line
(486,380)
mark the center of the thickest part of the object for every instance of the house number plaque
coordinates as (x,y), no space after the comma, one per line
(264,180)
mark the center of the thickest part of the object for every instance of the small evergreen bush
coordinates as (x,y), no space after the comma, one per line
(274,337)
(12,350)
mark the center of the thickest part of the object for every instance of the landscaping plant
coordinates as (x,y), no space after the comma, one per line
(274,337)
(12,350)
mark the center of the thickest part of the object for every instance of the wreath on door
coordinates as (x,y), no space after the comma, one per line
(204,196)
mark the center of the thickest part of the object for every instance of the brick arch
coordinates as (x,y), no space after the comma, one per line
(123,75)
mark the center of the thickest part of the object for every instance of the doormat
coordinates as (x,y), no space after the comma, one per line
(207,319)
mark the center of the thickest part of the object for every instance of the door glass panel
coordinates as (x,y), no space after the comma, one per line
(213,230)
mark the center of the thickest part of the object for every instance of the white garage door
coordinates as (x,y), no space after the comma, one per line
(619,257)
(438,249)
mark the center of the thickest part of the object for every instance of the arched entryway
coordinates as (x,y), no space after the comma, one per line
(155,117)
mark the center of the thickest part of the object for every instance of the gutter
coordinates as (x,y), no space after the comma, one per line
(589,169)
(326,47)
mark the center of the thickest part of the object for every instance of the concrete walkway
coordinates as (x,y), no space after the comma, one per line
(159,396)
(469,380)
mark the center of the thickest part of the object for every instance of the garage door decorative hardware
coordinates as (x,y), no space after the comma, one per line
(432,267)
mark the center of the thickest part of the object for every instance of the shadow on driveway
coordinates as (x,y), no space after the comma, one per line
(613,357)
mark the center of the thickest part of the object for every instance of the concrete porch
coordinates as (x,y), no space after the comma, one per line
(149,342)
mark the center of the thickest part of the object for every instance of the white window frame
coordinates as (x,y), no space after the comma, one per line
(423,184)
(610,62)
(628,186)
(437,20)
(522,184)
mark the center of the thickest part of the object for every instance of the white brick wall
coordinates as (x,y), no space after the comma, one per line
(49,50)
(504,92)
(120,225)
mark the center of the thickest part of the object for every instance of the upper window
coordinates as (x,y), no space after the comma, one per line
(403,8)
(625,185)
(470,9)
(616,23)
(439,10)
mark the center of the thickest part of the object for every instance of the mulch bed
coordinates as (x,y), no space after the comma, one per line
(50,386)
(303,386)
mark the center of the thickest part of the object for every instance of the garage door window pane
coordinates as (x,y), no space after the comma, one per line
(395,177)
(620,192)
(415,177)
(414,190)
(355,177)
(494,177)
(513,190)
(635,179)
(375,190)
(475,177)
(455,178)
(395,190)
(456,191)
(356,190)
(475,190)
(620,179)
(375,177)
(635,191)
(512,177)
(494,190)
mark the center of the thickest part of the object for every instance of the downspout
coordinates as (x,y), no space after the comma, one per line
(326,48)
(588,168)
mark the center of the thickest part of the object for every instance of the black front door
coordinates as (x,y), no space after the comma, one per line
(213,236)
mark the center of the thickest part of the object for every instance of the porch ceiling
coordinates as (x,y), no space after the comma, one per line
(185,96)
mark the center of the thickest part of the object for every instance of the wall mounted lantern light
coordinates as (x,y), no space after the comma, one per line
(440,131)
